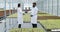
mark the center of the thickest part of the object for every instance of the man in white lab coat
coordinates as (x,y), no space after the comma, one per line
(34,12)
(20,16)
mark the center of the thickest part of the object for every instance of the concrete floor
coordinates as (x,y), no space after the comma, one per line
(29,25)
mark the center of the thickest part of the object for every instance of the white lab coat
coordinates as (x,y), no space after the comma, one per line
(20,16)
(34,12)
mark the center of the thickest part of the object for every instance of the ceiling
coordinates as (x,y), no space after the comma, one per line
(19,1)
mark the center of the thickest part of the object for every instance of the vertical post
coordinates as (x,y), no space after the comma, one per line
(5,14)
(9,7)
(12,7)
(48,6)
(57,6)
(52,6)
(5,8)
(44,6)
(12,12)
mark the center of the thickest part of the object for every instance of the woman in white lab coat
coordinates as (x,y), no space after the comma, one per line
(20,16)
(34,11)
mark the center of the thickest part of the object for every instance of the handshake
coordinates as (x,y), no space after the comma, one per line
(30,15)
(27,12)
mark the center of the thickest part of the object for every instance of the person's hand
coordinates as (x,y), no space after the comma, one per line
(31,15)
(25,12)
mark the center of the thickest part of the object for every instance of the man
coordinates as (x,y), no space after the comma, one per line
(34,12)
(20,16)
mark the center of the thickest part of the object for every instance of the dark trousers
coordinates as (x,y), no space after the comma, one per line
(34,25)
(19,26)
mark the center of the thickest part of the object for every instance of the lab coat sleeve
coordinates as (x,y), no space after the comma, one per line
(20,11)
(36,10)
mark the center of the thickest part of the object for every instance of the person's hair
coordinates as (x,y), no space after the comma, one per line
(34,3)
(19,4)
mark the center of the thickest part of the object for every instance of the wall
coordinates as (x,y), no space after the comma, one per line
(50,6)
